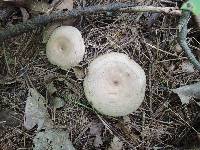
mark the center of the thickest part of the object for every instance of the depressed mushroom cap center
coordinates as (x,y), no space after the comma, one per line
(65,47)
(115,84)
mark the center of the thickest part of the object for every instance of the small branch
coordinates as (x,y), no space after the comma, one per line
(166,10)
(58,16)
(182,37)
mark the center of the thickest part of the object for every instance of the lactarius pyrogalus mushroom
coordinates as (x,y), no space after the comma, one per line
(65,48)
(115,84)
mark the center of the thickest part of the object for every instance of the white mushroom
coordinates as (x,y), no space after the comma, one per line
(65,47)
(115,84)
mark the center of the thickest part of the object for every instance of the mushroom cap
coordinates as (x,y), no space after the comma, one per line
(65,48)
(115,84)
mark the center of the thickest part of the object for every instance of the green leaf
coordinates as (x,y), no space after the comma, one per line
(193,6)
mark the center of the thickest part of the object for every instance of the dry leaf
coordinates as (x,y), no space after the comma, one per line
(98,141)
(95,130)
(52,26)
(64,4)
(187,67)
(79,72)
(57,102)
(49,30)
(116,144)
(178,48)
(187,92)
(127,120)
(25,14)
(51,88)
(53,139)
(36,112)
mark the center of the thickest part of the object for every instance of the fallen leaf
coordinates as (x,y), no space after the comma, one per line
(116,144)
(79,72)
(187,67)
(127,120)
(49,30)
(51,88)
(64,4)
(95,130)
(98,141)
(187,92)
(57,102)
(178,48)
(55,139)
(36,112)
(25,14)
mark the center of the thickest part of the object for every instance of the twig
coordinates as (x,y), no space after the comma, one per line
(166,10)
(58,16)
(182,37)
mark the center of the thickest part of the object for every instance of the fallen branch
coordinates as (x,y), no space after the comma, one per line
(42,20)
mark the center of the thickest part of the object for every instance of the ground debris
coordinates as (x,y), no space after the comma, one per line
(187,92)
(52,139)
(36,112)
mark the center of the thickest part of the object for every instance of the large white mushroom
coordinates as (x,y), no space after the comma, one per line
(115,84)
(65,48)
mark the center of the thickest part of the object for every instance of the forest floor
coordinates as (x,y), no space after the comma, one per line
(161,122)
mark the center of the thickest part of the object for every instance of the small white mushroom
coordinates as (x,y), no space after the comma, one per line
(65,47)
(115,84)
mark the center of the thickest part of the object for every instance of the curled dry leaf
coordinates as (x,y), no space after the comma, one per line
(54,139)
(36,112)
(187,92)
